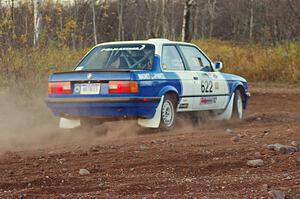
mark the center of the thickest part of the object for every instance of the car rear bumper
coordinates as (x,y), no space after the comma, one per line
(115,107)
(102,100)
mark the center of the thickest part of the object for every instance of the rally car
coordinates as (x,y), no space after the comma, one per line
(151,81)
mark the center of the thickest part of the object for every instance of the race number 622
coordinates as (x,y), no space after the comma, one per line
(206,86)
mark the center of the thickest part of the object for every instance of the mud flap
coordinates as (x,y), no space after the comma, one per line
(227,113)
(155,121)
(68,124)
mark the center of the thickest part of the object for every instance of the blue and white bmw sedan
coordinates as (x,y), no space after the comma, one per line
(150,81)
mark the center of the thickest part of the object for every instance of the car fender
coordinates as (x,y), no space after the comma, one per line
(235,85)
(155,121)
(167,89)
(65,123)
(232,85)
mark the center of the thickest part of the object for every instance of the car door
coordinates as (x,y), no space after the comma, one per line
(211,88)
(173,66)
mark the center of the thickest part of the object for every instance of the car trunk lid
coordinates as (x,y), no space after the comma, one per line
(89,83)
(89,76)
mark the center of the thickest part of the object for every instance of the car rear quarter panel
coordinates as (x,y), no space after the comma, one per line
(157,84)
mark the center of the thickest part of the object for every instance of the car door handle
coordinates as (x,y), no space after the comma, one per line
(205,74)
(196,78)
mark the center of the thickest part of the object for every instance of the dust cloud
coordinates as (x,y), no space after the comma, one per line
(23,125)
(31,126)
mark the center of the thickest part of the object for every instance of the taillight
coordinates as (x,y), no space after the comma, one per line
(123,87)
(59,88)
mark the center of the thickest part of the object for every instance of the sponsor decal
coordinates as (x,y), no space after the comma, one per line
(183,106)
(144,76)
(158,76)
(124,48)
(184,100)
(151,76)
(89,76)
(217,85)
(208,100)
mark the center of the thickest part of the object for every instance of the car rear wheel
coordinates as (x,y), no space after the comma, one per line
(237,111)
(168,113)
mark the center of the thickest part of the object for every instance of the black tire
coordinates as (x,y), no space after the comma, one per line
(237,110)
(168,113)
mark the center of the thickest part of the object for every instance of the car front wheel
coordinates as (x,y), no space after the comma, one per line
(237,111)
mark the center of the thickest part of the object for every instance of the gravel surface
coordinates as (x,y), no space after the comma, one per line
(207,161)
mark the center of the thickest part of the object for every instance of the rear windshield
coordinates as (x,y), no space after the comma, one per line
(115,57)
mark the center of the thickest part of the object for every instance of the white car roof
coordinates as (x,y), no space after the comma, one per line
(158,43)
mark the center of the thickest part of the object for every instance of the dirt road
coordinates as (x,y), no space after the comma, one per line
(190,162)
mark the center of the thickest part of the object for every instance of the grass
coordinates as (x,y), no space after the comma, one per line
(25,71)
(280,64)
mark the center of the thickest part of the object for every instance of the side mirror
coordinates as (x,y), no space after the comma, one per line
(218,65)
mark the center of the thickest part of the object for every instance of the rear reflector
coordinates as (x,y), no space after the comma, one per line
(123,87)
(59,88)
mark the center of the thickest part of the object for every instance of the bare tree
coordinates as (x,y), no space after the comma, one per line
(94,21)
(149,32)
(185,31)
(164,22)
(1,11)
(293,8)
(12,18)
(12,9)
(264,21)
(251,21)
(196,21)
(37,20)
(173,35)
(121,16)
(156,19)
(211,10)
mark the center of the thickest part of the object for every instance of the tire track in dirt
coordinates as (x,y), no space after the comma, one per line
(188,162)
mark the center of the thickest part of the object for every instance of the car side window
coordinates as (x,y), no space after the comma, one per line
(171,59)
(195,59)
